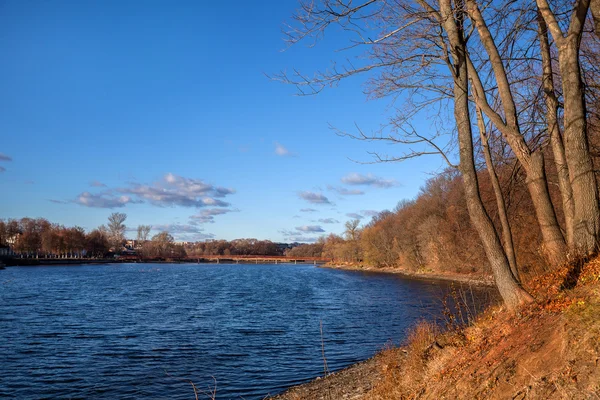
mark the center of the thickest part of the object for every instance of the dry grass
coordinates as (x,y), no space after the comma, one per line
(550,350)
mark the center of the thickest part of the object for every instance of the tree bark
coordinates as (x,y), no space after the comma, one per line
(595,7)
(553,246)
(586,216)
(554,131)
(511,291)
(509,247)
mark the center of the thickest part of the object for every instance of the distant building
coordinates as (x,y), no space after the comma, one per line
(5,251)
(133,244)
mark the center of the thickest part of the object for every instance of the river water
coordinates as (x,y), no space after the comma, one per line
(132,331)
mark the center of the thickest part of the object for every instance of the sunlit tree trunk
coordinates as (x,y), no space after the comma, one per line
(554,245)
(586,229)
(595,7)
(510,290)
(556,140)
(507,237)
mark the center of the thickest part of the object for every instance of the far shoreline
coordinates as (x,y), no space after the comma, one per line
(470,279)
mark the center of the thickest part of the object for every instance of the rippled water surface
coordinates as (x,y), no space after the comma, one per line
(133,330)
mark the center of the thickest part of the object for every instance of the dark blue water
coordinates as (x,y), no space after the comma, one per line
(136,330)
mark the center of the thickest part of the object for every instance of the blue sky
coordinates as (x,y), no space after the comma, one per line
(163,110)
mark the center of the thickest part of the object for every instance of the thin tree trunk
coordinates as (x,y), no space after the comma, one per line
(554,246)
(510,290)
(556,140)
(509,247)
(586,226)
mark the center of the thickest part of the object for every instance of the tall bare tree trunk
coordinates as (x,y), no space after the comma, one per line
(595,7)
(510,290)
(509,247)
(554,245)
(586,229)
(556,140)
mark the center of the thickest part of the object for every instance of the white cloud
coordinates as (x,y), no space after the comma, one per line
(282,151)
(296,236)
(368,180)
(315,198)
(103,200)
(175,229)
(174,190)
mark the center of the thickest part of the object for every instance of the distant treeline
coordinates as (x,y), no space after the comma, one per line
(237,247)
(40,238)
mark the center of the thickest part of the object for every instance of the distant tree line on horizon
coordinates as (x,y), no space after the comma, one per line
(38,237)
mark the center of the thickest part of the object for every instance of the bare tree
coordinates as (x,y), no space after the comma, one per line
(142,232)
(352,236)
(116,229)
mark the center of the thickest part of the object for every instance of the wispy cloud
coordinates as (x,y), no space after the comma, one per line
(2,169)
(370,213)
(310,229)
(297,236)
(308,210)
(196,237)
(59,201)
(97,184)
(208,215)
(315,198)
(302,239)
(103,200)
(329,221)
(355,216)
(344,191)
(184,232)
(175,229)
(4,157)
(368,180)
(282,151)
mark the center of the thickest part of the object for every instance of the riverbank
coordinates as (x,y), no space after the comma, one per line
(471,279)
(32,262)
(550,350)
